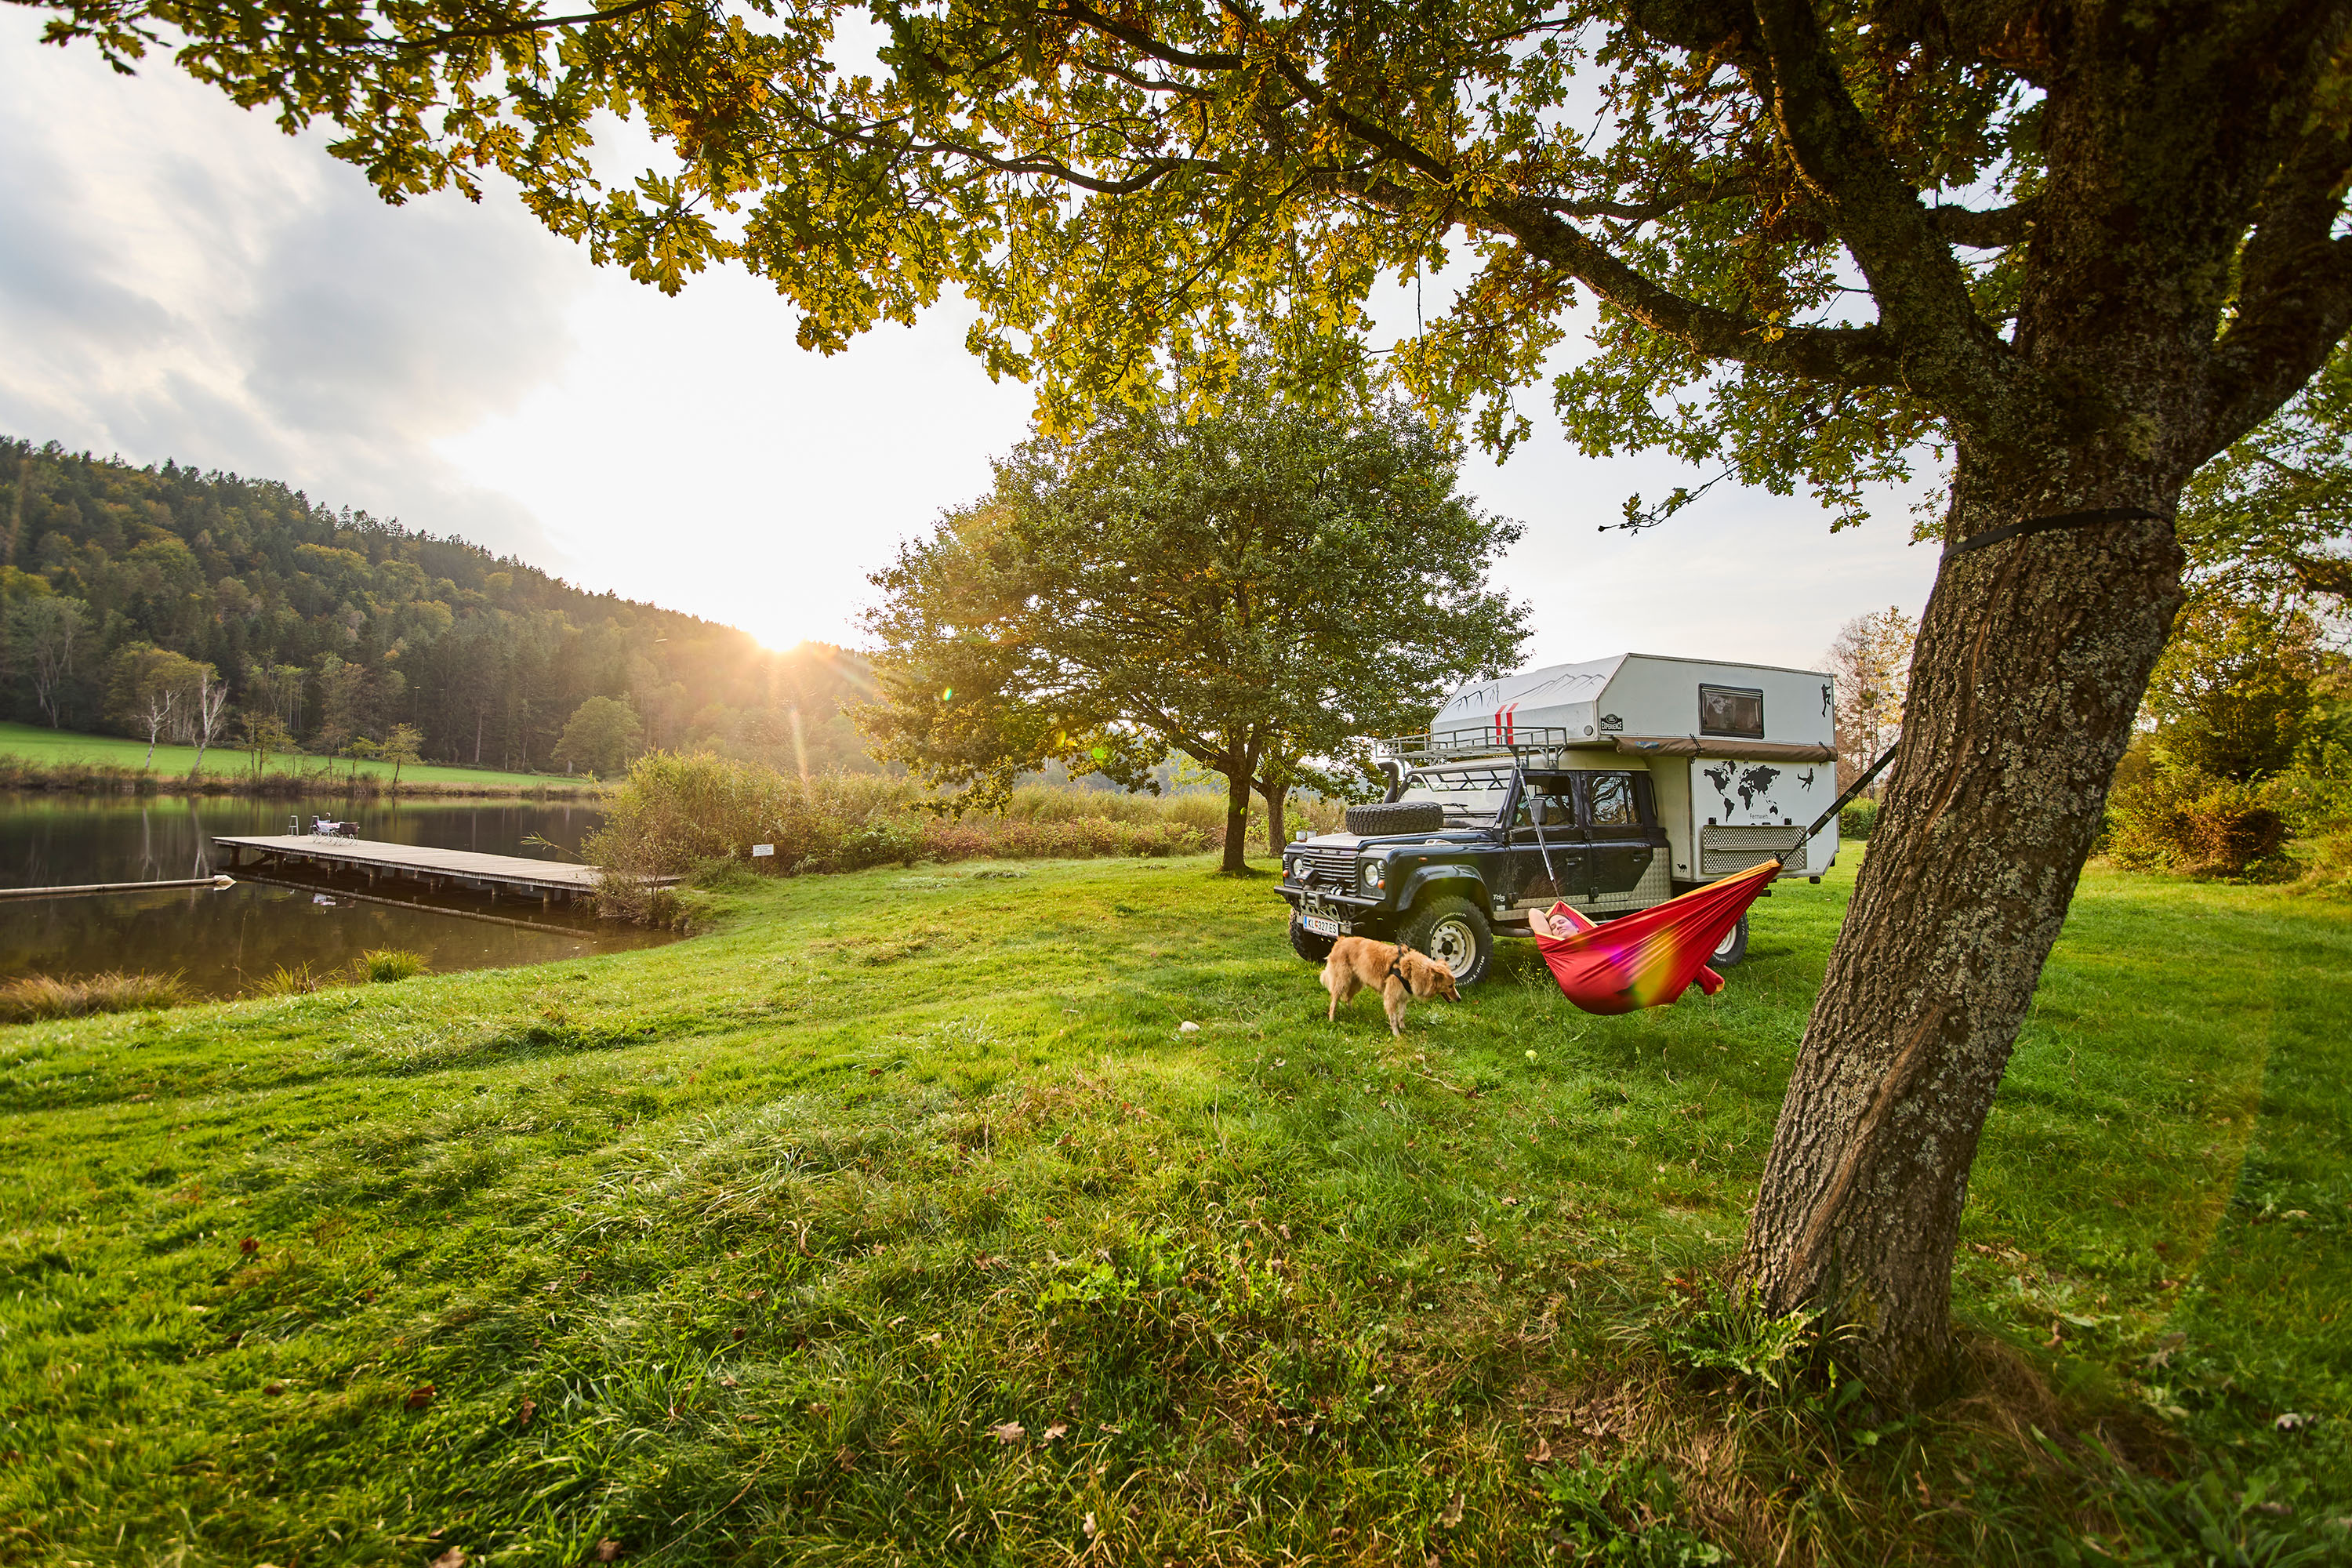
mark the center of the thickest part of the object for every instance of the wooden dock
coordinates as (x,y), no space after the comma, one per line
(436,870)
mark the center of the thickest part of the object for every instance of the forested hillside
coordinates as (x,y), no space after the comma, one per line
(126,593)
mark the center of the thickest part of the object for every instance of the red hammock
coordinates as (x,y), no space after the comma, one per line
(1648,958)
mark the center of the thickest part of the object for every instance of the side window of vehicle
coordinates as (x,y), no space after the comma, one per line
(1611,796)
(1549,810)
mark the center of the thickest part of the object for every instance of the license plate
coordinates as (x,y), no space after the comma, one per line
(1320,926)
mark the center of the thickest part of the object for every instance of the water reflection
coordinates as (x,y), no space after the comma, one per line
(222,942)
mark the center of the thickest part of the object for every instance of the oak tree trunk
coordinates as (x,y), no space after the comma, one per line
(1277,831)
(2032,658)
(1237,799)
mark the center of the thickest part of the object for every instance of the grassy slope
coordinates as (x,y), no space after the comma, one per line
(748,1249)
(51,747)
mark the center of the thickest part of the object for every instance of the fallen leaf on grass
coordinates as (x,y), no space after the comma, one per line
(1011,1432)
(1089,1523)
(525,1411)
(249,1246)
(453,1558)
(418,1398)
(273,1388)
(1541,1451)
(608,1550)
(1453,1515)
(2292,1421)
(846,1458)
(1057,1430)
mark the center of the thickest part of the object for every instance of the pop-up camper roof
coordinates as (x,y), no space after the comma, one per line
(1646,703)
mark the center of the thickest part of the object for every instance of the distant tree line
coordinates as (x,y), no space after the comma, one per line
(174,604)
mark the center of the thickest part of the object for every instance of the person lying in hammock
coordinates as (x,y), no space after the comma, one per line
(1649,959)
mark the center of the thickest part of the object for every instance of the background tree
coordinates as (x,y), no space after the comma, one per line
(1251,587)
(206,714)
(150,688)
(602,736)
(399,749)
(265,735)
(2268,520)
(1872,660)
(49,631)
(2080,250)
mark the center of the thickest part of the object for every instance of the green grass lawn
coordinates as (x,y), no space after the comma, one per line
(51,748)
(898,1222)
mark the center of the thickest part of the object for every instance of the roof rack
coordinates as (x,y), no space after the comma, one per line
(1528,745)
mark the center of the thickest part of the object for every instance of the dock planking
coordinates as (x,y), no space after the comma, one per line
(546,880)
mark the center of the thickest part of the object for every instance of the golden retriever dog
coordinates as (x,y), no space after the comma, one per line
(1395,971)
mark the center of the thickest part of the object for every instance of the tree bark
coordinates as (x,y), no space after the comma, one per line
(1237,799)
(2033,656)
(1277,832)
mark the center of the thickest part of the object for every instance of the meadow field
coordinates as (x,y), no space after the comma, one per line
(47,749)
(900,1220)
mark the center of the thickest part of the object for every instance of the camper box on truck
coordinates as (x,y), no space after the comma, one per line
(1737,754)
(1611,787)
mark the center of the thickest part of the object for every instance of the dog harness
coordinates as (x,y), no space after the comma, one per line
(1396,969)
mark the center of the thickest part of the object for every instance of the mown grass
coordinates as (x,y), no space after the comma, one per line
(897,1222)
(60,752)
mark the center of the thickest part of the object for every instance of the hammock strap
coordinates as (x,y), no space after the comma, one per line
(2044,524)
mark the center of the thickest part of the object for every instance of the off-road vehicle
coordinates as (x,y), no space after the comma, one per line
(1565,784)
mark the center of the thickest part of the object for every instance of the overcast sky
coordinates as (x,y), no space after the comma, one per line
(178,279)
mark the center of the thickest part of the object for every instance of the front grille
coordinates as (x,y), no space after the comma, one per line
(1724,850)
(1327,869)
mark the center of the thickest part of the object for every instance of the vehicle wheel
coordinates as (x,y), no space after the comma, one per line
(1309,945)
(1454,932)
(1732,948)
(1396,817)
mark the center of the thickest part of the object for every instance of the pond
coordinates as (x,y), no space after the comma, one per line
(226,943)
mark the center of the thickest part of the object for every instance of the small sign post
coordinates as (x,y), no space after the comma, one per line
(759,851)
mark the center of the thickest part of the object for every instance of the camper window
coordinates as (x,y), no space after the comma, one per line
(1731,711)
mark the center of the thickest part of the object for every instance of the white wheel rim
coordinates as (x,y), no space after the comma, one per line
(1731,940)
(1453,945)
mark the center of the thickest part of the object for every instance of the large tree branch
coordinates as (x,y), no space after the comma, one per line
(1985,231)
(1922,293)
(2295,297)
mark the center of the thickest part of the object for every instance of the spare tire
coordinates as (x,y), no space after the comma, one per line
(1396,817)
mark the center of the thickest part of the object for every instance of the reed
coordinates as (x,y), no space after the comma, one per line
(112,990)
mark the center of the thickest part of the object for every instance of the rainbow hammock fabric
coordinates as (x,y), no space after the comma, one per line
(1647,960)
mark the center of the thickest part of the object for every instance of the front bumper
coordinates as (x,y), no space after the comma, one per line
(1349,911)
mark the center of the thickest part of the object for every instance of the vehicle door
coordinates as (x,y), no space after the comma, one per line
(1627,845)
(1552,864)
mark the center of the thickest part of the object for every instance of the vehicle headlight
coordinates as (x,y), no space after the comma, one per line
(1372,873)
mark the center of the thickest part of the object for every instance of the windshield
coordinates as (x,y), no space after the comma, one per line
(1473,797)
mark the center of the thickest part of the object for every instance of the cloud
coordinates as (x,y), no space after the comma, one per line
(177,280)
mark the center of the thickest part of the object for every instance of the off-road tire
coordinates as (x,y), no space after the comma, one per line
(1396,817)
(1309,945)
(1454,932)
(1732,949)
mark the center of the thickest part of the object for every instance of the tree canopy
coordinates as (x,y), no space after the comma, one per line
(1258,588)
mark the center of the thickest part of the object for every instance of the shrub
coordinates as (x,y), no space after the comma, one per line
(299,981)
(2192,822)
(380,965)
(880,841)
(44,997)
(1857,820)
